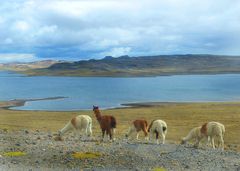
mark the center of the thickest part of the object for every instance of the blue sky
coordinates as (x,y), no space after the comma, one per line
(83,29)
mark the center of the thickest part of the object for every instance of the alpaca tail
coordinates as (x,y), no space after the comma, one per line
(164,128)
(150,126)
(113,122)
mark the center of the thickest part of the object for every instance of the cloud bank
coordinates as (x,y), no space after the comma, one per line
(71,29)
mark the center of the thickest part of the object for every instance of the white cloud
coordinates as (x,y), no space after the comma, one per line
(71,28)
(14,57)
(21,25)
(116,52)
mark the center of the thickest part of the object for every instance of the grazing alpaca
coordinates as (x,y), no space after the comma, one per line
(137,126)
(194,134)
(158,127)
(78,123)
(208,130)
(107,123)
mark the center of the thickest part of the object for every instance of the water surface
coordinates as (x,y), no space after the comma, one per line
(83,92)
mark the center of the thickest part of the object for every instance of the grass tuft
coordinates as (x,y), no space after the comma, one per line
(86,155)
(14,154)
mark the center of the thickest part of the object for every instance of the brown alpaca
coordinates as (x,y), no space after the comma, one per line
(107,123)
(137,126)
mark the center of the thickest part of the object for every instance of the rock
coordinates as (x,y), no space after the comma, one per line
(17,144)
(58,138)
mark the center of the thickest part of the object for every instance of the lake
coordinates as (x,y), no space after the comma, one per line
(107,92)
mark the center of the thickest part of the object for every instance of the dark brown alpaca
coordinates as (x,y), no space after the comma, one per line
(107,123)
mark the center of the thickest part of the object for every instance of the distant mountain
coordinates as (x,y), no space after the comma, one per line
(126,66)
(22,66)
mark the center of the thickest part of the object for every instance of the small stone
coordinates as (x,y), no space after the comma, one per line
(17,144)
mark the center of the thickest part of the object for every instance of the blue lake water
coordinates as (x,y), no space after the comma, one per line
(83,92)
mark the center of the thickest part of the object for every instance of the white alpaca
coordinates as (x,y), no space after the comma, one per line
(209,130)
(194,134)
(158,127)
(216,130)
(78,123)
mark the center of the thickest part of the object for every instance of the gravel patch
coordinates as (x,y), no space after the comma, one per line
(43,153)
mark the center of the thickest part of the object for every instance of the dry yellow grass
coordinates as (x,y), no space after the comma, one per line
(180,118)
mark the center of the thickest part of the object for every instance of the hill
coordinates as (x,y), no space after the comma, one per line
(23,66)
(126,66)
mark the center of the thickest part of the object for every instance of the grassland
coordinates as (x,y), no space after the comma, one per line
(180,117)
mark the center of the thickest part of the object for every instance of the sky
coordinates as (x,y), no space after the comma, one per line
(83,29)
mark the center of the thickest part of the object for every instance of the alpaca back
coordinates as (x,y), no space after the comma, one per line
(140,124)
(158,125)
(81,121)
(215,129)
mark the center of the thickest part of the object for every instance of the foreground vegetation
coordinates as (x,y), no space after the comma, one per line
(180,117)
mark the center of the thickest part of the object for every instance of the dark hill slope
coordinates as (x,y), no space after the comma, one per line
(145,66)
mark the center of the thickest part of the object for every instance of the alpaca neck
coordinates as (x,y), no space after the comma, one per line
(189,136)
(65,129)
(98,115)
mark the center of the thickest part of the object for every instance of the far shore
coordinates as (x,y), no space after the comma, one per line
(21,102)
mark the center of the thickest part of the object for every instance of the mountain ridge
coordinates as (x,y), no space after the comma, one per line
(126,66)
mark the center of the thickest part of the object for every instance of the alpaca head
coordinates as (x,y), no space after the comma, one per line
(183,141)
(97,112)
(95,108)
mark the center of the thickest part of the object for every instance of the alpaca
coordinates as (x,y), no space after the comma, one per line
(194,134)
(214,130)
(107,123)
(137,126)
(158,127)
(78,123)
(209,131)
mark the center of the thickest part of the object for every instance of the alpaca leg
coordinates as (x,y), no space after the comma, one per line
(109,132)
(151,136)
(77,134)
(103,134)
(157,137)
(212,141)
(163,138)
(137,135)
(89,130)
(130,131)
(145,134)
(222,143)
(113,134)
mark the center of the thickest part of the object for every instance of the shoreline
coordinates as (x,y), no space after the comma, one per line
(21,102)
(126,75)
(10,104)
